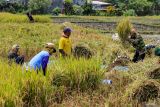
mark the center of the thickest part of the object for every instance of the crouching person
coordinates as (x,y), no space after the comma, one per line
(137,42)
(14,55)
(40,61)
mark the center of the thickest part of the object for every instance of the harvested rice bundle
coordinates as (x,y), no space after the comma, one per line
(154,74)
(121,60)
(124,28)
(82,51)
(146,90)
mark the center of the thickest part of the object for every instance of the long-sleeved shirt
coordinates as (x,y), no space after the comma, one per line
(39,61)
(137,43)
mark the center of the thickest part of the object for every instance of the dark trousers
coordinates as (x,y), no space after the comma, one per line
(137,56)
(20,60)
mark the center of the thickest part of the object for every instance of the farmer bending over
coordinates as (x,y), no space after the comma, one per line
(137,42)
(65,44)
(40,60)
(14,56)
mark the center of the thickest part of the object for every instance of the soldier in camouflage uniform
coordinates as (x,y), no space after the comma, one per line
(137,42)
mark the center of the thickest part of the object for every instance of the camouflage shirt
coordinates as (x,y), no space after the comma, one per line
(137,43)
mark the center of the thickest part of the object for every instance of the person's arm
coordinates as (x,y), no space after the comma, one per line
(62,52)
(44,64)
(134,41)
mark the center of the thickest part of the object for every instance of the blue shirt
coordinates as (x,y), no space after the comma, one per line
(39,61)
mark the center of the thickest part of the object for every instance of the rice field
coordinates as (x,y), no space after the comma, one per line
(70,82)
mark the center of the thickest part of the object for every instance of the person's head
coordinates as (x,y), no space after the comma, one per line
(15,48)
(50,48)
(133,33)
(67,31)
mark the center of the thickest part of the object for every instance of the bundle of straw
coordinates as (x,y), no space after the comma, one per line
(147,90)
(124,28)
(82,51)
(154,74)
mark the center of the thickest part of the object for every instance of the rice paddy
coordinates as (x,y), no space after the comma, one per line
(71,82)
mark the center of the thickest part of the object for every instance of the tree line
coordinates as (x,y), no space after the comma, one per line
(118,8)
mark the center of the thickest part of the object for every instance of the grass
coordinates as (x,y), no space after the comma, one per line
(12,18)
(69,82)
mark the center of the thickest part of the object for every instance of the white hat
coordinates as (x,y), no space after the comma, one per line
(49,45)
(15,46)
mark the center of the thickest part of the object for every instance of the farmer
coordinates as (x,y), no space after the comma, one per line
(137,42)
(29,15)
(65,44)
(14,56)
(40,61)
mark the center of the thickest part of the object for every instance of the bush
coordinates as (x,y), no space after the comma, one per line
(78,10)
(11,7)
(88,10)
(130,12)
(110,10)
(56,11)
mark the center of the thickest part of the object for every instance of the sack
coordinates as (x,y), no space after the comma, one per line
(157,51)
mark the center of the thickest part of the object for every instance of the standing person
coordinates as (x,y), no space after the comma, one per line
(29,15)
(65,44)
(137,42)
(14,55)
(40,61)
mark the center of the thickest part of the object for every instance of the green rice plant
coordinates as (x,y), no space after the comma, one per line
(124,28)
(77,74)
(19,18)
(70,81)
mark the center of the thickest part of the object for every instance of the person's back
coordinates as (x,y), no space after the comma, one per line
(66,45)
(40,60)
(14,56)
(138,42)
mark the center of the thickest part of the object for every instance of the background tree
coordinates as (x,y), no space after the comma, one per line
(78,10)
(141,7)
(155,6)
(68,7)
(39,6)
(13,6)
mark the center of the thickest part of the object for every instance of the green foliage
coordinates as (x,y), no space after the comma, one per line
(14,7)
(56,11)
(68,7)
(130,12)
(78,74)
(141,7)
(78,10)
(88,10)
(39,6)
